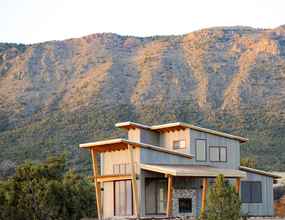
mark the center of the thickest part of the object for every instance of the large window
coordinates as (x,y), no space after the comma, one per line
(201,150)
(179,144)
(218,154)
(156,195)
(123,198)
(251,192)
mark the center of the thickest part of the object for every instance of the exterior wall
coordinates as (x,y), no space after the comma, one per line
(266,207)
(149,137)
(157,157)
(144,136)
(166,139)
(233,149)
(109,159)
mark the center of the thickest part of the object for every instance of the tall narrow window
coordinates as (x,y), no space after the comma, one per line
(123,198)
(201,150)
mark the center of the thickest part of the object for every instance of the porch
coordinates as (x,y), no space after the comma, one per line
(180,190)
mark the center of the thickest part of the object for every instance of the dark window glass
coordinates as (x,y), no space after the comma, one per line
(185,205)
(251,192)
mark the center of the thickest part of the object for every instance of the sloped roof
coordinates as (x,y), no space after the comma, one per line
(122,144)
(193,170)
(260,172)
(178,125)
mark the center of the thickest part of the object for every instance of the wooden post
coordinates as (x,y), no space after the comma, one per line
(238,185)
(96,183)
(204,194)
(169,196)
(134,182)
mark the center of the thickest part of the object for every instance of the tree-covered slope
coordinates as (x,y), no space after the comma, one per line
(55,95)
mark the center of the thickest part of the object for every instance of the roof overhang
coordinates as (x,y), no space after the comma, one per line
(178,126)
(193,170)
(123,144)
(260,172)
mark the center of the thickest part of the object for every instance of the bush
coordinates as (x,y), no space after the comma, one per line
(223,203)
(46,191)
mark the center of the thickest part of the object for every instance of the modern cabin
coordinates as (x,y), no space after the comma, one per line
(165,171)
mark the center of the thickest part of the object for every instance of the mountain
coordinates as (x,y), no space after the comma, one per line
(55,95)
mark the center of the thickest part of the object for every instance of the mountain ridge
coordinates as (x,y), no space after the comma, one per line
(62,93)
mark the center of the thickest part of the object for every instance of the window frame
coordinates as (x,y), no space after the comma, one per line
(250,192)
(179,140)
(206,153)
(219,147)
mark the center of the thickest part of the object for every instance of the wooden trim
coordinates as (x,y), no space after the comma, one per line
(112,178)
(96,183)
(204,194)
(169,196)
(134,182)
(237,185)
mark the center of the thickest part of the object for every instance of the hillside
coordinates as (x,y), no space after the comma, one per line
(55,95)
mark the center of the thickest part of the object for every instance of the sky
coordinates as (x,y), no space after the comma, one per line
(32,21)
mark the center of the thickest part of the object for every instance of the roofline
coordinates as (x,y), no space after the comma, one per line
(261,172)
(136,144)
(131,124)
(180,124)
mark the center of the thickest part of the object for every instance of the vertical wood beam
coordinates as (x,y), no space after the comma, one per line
(238,185)
(204,194)
(134,181)
(96,183)
(169,196)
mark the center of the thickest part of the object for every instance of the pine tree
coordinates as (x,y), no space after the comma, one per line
(223,202)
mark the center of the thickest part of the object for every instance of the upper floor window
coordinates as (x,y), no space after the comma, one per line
(218,154)
(201,150)
(251,192)
(179,144)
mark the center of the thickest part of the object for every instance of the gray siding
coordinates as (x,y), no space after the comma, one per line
(149,137)
(233,149)
(266,207)
(157,157)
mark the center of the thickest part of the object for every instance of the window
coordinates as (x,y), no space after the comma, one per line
(185,205)
(251,192)
(179,144)
(200,150)
(123,198)
(156,195)
(218,154)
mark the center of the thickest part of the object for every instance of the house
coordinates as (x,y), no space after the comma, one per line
(165,170)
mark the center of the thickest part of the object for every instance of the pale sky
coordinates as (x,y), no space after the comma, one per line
(30,21)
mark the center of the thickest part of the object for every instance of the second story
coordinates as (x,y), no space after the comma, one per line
(209,147)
